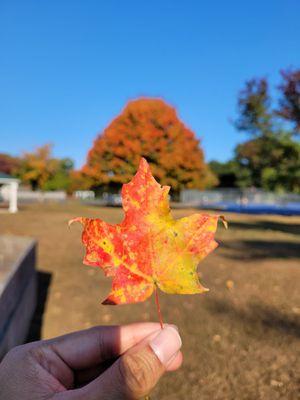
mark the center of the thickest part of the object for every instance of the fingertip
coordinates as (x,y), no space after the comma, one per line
(176,362)
(166,344)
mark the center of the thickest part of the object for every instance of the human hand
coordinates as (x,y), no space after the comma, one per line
(101,363)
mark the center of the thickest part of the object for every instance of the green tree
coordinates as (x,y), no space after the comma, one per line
(226,172)
(254,109)
(270,159)
(271,163)
(61,179)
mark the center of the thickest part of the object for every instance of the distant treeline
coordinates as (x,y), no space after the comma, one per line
(269,159)
(39,169)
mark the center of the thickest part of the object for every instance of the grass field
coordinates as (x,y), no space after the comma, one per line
(241,340)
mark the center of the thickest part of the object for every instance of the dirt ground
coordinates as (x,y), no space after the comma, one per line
(241,339)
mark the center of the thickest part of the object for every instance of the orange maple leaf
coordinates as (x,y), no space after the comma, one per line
(148,249)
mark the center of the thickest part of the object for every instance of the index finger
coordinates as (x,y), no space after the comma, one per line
(87,348)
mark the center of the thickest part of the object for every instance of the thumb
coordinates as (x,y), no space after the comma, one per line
(138,370)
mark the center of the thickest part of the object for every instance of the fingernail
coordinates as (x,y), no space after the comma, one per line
(166,344)
(173,326)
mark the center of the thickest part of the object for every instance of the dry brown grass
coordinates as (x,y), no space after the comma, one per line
(241,340)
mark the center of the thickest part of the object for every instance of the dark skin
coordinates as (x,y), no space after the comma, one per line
(102,363)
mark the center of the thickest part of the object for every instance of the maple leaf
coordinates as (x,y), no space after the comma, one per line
(148,249)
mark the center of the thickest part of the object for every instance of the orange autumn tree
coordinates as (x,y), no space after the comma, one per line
(148,128)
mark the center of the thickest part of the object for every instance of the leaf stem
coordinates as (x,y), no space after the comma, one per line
(158,308)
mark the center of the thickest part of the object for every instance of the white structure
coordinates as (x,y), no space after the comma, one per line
(84,194)
(9,191)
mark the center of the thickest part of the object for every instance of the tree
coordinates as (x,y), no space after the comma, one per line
(149,128)
(289,103)
(79,181)
(272,163)
(61,179)
(41,171)
(8,164)
(226,172)
(254,102)
(270,159)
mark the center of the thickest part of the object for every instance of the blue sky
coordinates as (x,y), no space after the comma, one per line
(67,67)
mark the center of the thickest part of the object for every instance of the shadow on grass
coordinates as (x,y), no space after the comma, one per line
(259,249)
(35,328)
(267,225)
(257,319)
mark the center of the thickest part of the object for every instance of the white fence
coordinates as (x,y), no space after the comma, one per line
(237,196)
(84,194)
(28,196)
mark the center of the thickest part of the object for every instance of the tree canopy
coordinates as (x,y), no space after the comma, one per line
(271,163)
(254,114)
(8,164)
(42,171)
(289,103)
(148,128)
(270,158)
